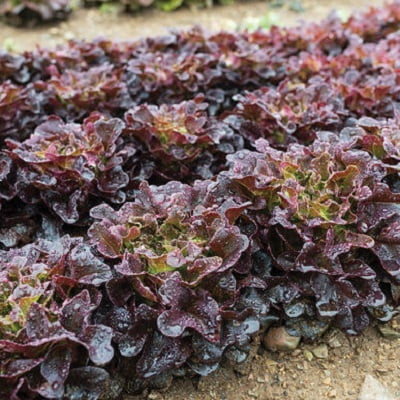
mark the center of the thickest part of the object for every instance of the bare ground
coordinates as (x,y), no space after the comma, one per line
(267,376)
(88,24)
(293,376)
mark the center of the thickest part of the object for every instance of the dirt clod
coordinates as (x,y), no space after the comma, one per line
(321,351)
(308,355)
(277,339)
(388,332)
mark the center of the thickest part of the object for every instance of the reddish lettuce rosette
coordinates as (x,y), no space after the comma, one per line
(65,165)
(47,298)
(170,246)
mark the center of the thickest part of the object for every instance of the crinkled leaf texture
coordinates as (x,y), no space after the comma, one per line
(64,165)
(44,327)
(164,200)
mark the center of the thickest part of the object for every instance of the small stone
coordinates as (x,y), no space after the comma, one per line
(382,370)
(253,393)
(154,396)
(388,332)
(327,381)
(332,394)
(334,343)
(308,355)
(277,339)
(372,389)
(321,351)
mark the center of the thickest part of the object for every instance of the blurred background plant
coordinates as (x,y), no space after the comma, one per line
(30,13)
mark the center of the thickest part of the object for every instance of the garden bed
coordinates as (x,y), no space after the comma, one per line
(293,376)
(165,202)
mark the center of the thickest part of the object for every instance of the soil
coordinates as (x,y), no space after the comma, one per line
(91,23)
(295,376)
(267,376)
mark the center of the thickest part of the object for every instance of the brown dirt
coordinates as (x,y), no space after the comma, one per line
(291,376)
(268,376)
(92,23)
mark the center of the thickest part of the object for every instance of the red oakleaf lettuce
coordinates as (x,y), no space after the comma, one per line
(43,324)
(73,95)
(62,165)
(289,113)
(307,200)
